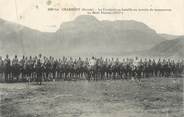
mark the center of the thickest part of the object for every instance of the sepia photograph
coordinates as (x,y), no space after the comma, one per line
(100,58)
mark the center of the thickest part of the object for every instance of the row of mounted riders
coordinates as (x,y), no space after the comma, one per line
(38,69)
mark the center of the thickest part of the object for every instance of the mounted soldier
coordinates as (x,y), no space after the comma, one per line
(158,68)
(45,68)
(140,68)
(135,67)
(122,69)
(34,74)
(1,68)
(110,67)
(26,70)
(150,68)
(69,68)
(22,70)
(146,68)
(92,64)
(164,67)
(64,66)
(57,70)
(116,68)
(79,68)
(179,67)
(103,69)
(30,67)
(98,68)
(154,68)
(61,64)
(86,68)
(7,68)
(15,68)
(39,68)
(128,68)
(54,68)
(169,68)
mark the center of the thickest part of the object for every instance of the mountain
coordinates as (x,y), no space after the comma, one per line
(85,36)
(169,48)
(106,37)
(169,37)
(17,39)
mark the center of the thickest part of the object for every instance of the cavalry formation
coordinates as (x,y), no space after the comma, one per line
(40,68)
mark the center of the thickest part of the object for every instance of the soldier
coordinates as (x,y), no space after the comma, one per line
(39,66)
(116,68)
(140,69)
(79,67)
(105,68)
(54,67)
(111,63)
(122,69)
(26,70)
(1,68)
(92,64)
(59,68)
(7,68)
(64,68)
(164,68)
(51,67)
(102,64)
(61,63)
(168,68)
(69,69)
(154,68)
(158,68)
(97,69)
(173,68)
(30,65)
(46,67)
(127,68)
(135,67)
(179,68)
(146,68)
(22,70)
(34,74)
(57,64)
(108,68)
(182,67)
(149,68)
(15,68)
(86,68)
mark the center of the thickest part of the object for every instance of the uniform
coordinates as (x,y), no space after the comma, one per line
(7,69)
(15,68)
(1,68)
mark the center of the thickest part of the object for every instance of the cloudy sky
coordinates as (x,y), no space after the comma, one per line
(35,14)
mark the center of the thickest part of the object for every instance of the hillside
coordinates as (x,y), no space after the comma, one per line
(169,48)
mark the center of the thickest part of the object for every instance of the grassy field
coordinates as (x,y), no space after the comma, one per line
(154,97)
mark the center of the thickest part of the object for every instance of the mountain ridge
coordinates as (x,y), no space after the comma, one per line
(168,48)
(85,35)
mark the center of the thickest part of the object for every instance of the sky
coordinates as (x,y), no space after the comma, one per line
(35,14)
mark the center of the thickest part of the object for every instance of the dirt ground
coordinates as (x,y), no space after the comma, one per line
(154,97)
